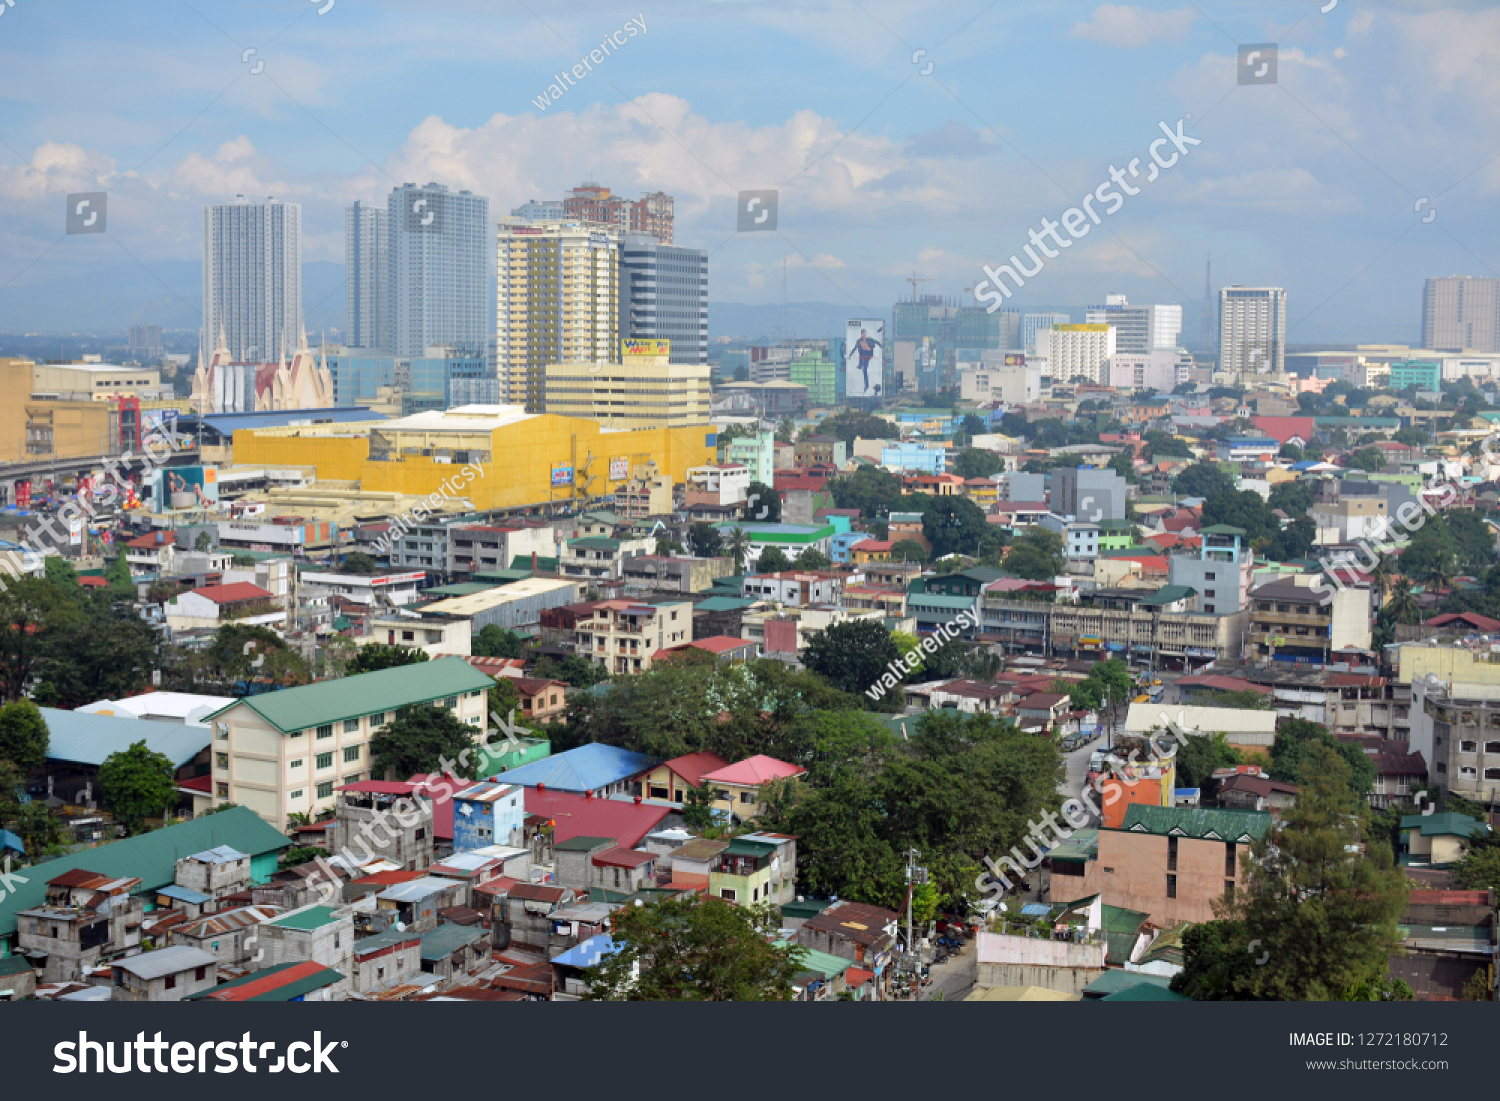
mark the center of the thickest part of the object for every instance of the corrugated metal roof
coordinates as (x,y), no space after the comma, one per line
(443,941)
(220,854)
(588,953)
(166,961)
(314,917)
(87,739)
(1197,822)
(151,856)
(588,768)
(185,894)
(281,983)
(329,701)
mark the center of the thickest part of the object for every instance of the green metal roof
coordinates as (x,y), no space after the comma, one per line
(543,565)
(1144,992)
(1117,919)
(151,857)
(805,908)
(582,844)
(1167,947)
(722,604)
(14,965)
(826,964)
(458,588)
(330,701)
(1083,845)
(1444,825)
(314,917)
(1169,594)
(1112,982)
(741,847)
(1197,822)
(505,577)
(938,600)
(443,941)
(1221,529)
(595,542)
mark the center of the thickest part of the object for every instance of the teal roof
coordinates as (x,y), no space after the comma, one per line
(595,542)
(443,941)
(1169,594)
(938,600)
(1197,822)
(458,588)
(722,604)
(1112,982)
(150,857)
(314,917)
(1443,825)
(1083,845)
(329,701)
(1222,529)
(1145,992)
(87,739)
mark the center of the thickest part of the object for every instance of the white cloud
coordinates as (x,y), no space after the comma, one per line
(1132,27)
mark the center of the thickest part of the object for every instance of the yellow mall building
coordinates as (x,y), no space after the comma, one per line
(498,456)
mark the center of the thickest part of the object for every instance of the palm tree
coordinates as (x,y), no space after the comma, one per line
(738,546)
(1382,575)
(1439,575)
(1403,604)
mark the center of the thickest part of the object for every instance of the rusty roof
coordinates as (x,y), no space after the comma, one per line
(856,921)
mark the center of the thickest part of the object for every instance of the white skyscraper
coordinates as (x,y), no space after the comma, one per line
(1461,312)
(252,278)
(439,282)
(1139,329)
(1031,323)
(1080,350)
(367,278)
(1252,330)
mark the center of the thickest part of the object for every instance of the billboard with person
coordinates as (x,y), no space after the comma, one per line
(864,358)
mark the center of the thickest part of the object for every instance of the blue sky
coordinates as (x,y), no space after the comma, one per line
(1308,184)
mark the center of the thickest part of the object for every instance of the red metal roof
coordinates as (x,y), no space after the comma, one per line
(623,858)
(1473,619)
(232,593)
(294,974)
(577,816)
(387,879)
(692,766)
(1223,683)
(153,539)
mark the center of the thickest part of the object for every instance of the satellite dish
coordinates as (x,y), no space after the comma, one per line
(400,926)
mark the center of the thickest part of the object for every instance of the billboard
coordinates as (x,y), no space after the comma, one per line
(1015,359)
(192,487)
(864,358)
(562,474)
(646,347)
(619,469)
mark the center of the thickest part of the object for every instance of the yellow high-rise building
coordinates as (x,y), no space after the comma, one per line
(557,301)
(644,389)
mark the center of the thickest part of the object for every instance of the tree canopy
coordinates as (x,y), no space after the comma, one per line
(1037,554)
(697,949)
(953,525)
(377,655)
(136,784)
(420,739)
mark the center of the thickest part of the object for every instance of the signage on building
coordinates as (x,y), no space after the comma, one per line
(562,474)
(645,347)
(1196,652)
(1017,359)
(529,231)
(598,240)
(619,469)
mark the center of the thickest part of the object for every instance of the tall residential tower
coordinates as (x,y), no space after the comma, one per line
(439,281)
(1252,330)
(367,278)
(252,279)
(1461,313)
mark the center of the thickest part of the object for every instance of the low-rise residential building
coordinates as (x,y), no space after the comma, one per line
(215,872)
(738,785)
(797,588)
(166,975)
(790,539)
(622,635)
(488,813)
(87,918)
(725,484)
(229,937)
(212,606)
(384,820)
(386,959)
(313,934)
(675,573)
(601,557)
(1438,840)
(284,752)
(151,554)
(854,931)
(1172,863)
(1308,624)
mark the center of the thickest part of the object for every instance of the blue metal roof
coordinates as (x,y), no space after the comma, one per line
(87,739)
(9,840)
(227,423)
(185,894)
(587,953)
(587,768)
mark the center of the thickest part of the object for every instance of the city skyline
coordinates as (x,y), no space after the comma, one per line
(1307,186)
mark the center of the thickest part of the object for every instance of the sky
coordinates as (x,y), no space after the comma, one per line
(901,138)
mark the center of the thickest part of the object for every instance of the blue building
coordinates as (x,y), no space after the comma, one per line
(914,456)
(489,813)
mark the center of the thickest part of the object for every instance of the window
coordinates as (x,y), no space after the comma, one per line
(221,760)
(1468,772)
(351,754)
(451,702)
(728,894)
(325,790)
(419,835)
(171,983)
(200,974)
(1229,889)
(221,789)
(1492,747)
(1229,858)
(1208,576)
(1492,774)
(1171,854)
(351,726)
(294,795)
(294,764)
(325,731)
(1171,886)
(747,797)
(1441,768)
(298,733)
(324,760)
(1467,746)
(353,777)
(1208,608)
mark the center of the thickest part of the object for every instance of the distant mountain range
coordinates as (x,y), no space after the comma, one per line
(168,294)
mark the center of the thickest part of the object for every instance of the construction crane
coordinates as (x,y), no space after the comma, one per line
(913,279)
